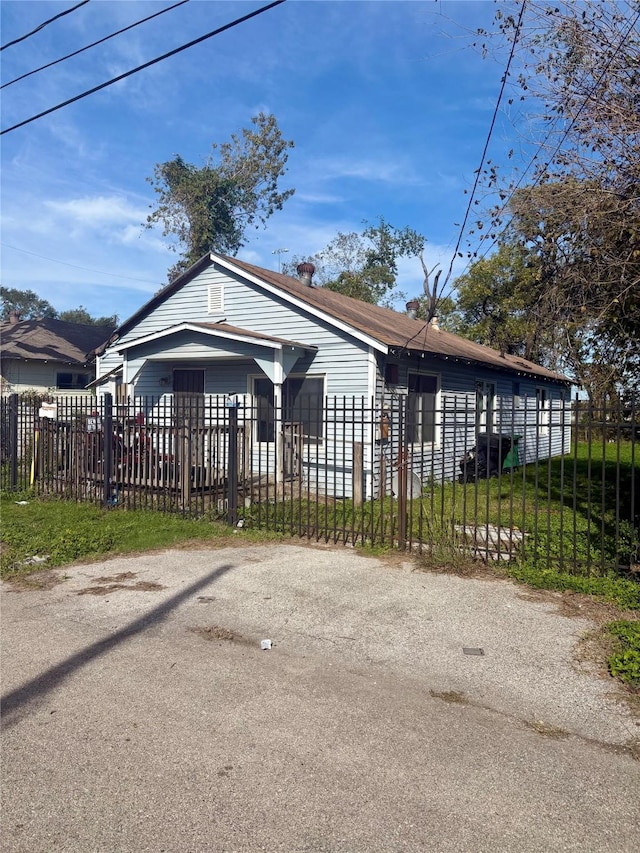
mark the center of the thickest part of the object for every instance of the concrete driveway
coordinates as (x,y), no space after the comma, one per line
(140,713)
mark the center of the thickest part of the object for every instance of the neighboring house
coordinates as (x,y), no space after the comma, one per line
(226,327)
(48,356)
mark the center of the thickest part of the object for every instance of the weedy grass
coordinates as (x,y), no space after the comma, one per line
(64,531)
(624,662)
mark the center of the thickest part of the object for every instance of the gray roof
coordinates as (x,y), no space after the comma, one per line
(52,340)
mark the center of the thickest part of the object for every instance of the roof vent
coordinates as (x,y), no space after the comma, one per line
(412,308)
(305,271)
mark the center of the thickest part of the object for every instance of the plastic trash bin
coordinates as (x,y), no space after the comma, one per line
(512,459)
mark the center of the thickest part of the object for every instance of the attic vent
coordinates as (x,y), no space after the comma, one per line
(216,299)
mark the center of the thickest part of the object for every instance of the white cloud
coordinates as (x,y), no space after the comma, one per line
(97,210)
(383,169)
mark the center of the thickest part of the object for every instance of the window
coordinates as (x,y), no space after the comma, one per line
(391,373)
(515,391)
(72,381)
(421,408)
(302,402)
(485,406)
(542,410)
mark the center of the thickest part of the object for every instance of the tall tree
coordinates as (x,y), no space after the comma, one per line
(364,265)
(497,304)
(211,207)
(26,303)
(580,209)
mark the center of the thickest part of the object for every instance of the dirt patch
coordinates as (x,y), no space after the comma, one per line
(547,730)
(451,696)
(140,586)
(36,581)
(215,632)
(121,576)
(464,568)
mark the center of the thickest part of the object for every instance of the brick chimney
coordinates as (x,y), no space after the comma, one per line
(14,317)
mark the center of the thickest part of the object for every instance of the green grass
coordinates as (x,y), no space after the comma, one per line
(572,512)
(624,662)
(64,531)
(622,592)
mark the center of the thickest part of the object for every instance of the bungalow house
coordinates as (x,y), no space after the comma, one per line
(337,376)
(48,357)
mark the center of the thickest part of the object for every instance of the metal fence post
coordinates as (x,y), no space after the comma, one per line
(107,449)
(13,441)
(402,474)
(232,471)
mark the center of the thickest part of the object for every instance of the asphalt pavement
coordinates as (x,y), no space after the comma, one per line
(395,710)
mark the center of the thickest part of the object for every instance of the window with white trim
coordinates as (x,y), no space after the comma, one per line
(422,408)
(302,403)
(485,406)
(543,407)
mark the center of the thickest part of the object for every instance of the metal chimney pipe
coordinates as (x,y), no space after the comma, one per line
(305,271)
(412,308)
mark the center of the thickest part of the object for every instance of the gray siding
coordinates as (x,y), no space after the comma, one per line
(342,358)
(542,431)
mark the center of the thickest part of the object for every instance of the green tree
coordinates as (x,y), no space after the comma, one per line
(211,207)
(31,307)
(26,303)
(81,316)
(364,266)
(578,66)
(497,304)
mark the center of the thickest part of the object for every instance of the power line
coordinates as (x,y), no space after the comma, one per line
(146,65)
(566,132)
(44,24)
(486,145)
(479,170)
(76,267)
(94,44)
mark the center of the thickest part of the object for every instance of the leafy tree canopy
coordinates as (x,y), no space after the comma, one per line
(82,317)
(26,303)
(496,304)
(577,217)
(211,207)
(365,265)
(31,307)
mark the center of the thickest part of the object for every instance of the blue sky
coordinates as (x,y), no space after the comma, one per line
(388,105)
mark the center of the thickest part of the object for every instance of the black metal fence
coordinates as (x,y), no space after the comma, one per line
(556,484)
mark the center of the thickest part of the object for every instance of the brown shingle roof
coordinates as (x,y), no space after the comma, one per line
(51,340)
(397,331)
(392,329)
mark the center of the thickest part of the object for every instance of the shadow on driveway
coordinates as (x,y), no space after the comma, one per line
(27,693)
